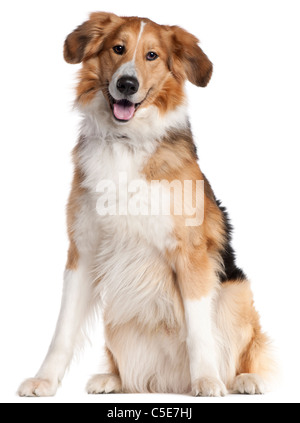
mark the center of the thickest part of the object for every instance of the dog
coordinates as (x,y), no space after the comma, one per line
(178,313)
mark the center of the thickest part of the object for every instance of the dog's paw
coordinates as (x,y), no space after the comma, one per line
(209,387)
(250,384)
(37,388)
(104,384)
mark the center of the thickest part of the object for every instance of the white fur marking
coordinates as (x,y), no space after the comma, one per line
(143,24)
(127,69)
(201,342)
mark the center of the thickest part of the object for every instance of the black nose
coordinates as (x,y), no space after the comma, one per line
(128,85)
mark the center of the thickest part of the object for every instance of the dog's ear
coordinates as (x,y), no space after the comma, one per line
(88,39)
(187,59)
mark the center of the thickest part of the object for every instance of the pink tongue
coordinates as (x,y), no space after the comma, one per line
(124,112)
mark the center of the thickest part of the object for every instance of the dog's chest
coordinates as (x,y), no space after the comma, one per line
(129,257)
(122,203)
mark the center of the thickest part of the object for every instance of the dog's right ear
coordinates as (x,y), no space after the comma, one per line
(88,39)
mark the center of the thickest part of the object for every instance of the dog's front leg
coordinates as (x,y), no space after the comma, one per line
(76,302)
(198,281)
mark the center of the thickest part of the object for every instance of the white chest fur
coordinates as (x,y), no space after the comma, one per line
(112,174)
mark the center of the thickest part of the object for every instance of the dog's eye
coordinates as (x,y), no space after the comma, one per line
(119,50)
(151,56)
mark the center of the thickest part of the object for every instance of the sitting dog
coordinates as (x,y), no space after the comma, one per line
(149,242)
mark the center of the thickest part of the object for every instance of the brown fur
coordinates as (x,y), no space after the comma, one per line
(72,209)
(197,255)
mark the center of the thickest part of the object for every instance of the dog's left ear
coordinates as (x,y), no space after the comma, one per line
(187,59)
(88,39)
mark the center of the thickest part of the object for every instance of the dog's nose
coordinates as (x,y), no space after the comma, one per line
(128,85)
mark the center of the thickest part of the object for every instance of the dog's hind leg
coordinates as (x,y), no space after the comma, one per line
(256,365)
(250,363)
(77,302)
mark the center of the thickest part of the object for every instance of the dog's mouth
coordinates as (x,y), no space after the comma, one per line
(124,110)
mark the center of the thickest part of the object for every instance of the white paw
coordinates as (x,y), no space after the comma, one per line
(37,388)
(250,384)
(104,384)
(209,387)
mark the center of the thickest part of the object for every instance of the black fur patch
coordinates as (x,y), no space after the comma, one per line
(231,271)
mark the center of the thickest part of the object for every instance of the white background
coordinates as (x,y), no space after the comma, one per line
(246,125)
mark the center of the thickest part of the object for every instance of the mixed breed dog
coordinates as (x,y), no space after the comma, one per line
(178,313)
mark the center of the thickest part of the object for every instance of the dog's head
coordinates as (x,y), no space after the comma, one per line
(135,63)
